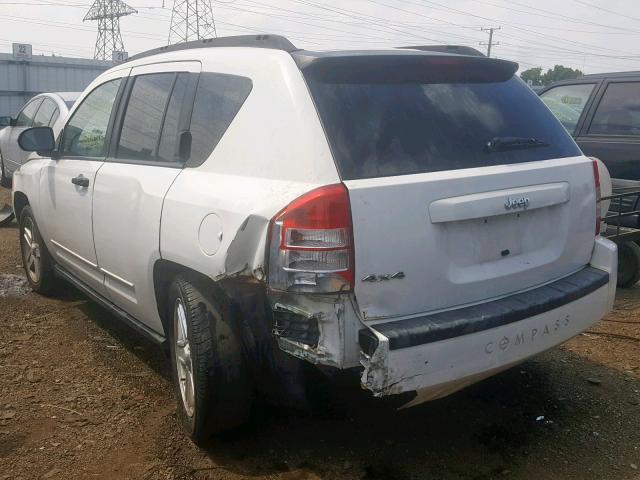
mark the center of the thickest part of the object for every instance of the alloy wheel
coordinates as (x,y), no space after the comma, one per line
(31,251)
(184,365)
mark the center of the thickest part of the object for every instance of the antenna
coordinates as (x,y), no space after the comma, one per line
(108,13)
(191,20)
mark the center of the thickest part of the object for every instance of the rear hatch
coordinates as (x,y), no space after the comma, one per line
(463,186)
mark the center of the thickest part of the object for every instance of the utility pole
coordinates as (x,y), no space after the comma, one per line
(490,43)
(108,13)
(191,20)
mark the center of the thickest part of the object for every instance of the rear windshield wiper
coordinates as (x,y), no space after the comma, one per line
(499,144)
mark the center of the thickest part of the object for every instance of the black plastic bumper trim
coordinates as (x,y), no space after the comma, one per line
(467,320)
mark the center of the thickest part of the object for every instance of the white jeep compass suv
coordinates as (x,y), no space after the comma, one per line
(419,217)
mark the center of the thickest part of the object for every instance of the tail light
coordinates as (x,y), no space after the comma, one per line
(311,243)
(596,180)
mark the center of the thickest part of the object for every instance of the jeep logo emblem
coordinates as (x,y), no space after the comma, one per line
(513,203)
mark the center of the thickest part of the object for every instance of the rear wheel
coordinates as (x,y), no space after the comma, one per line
(35,257)
(210,375)
(628,264)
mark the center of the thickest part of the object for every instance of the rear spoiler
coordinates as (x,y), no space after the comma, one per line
(401,67)
(456,49)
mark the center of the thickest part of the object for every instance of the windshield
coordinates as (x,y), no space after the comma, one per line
(378,130)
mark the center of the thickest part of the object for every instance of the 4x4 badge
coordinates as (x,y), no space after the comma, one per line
(381,278)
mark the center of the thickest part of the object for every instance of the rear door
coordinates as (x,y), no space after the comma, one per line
(463,186)
(131,185)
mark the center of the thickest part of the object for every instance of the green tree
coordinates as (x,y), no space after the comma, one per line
(559,72)
(533,75)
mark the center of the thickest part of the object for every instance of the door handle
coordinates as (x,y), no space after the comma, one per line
(80,181)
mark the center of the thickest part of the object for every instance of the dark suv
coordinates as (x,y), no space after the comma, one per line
(602,112)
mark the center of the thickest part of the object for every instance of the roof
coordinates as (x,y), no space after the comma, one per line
(611,75)
(278,42)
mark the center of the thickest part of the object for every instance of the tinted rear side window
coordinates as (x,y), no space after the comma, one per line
(218,99)
(379,130)
(143,119)
(619,110)
(168,148)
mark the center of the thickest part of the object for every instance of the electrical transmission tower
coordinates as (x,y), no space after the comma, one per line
(108,13)
(191,20)
(490,43)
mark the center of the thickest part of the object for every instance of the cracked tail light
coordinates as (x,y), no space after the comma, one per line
(311,243)
(596,181)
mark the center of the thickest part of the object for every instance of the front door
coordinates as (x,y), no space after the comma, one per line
(67,184)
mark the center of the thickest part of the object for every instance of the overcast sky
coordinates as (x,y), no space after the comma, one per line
(592,35)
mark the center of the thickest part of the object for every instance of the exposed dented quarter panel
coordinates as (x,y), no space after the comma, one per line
(245,207)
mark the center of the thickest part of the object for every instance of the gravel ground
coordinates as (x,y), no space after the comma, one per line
(82,396)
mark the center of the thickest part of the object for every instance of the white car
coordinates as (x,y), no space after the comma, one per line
(419,218)
(46,109)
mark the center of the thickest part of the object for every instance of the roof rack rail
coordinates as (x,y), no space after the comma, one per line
(457,49)
(276,42)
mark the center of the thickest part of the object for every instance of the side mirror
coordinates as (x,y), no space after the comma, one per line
(5,121)
(13,122)
(184,145)
(37,139)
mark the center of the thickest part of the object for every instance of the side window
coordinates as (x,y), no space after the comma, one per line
(45,112)
(54,117)
(85,133)
(144,116)
(567,102)
(619,110)
(25,117)
(218,99)
(168,147)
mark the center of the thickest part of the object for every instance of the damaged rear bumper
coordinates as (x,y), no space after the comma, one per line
(436,355)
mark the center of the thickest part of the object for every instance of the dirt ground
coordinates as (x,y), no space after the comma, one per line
(82,396)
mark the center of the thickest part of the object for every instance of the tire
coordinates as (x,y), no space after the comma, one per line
(4,180)
(210,374)
(36,260)
(628,264)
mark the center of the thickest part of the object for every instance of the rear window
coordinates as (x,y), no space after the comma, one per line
(388,129)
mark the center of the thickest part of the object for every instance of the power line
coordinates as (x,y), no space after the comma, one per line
(591,5)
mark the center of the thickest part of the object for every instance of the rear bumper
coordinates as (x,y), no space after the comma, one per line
(438,354)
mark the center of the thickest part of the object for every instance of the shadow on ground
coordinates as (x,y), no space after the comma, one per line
(542,416)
